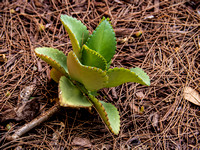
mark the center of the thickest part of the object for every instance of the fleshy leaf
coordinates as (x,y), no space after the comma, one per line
(77,31)
(108,113)
(91,77)
(118,76)
(70,95)
(92,58)
(94,93)
(108,64)
(103,40)
(142,75)
(56,75)
(53,57)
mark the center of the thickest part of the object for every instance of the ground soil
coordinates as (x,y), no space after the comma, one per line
(168,50)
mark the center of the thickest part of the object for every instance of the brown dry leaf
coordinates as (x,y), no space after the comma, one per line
(140,95)
(134,107)
(77,141)
(191,95)
(26,92)
(38,3)
(114,93)
(106,147)
(155,120)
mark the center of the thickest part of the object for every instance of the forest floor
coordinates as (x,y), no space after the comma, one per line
(154,117)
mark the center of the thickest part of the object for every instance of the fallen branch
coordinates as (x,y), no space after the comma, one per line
(35,122)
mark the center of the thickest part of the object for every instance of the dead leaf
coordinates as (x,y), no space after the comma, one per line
(77,141)
(26,92)
(140,95)
(27,110)
(23,111)
(134,141)
(39,66)
(38,3)
(114,93)
(134,107)
(106,147)
(155,120)
(191,95)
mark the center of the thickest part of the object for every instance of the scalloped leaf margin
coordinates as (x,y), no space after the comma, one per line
(77,31)
(92,58)
(53,57)
(103,40)
(142,75)
(118,76)
(55,75)
(70,95)
(108,113)
(91,77)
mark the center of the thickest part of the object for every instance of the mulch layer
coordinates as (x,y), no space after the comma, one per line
(154,117)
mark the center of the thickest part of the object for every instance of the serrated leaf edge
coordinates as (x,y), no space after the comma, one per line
(104,18)
(144,74)
(42,56)
(94,32)
(71,106)
(77,42)
(98,55)
(107,122)
(54,76)
(103,73)
(126,70)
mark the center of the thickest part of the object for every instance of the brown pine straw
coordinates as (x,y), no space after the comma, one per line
(168,50)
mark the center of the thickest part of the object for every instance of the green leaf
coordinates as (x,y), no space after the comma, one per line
(91,77)
(92,58)
(118,76)
(142,75)
(55,75)
(103,40)
(70,95)
(77,31)
(108,114)
(53,57)
(94,93)
(108,64)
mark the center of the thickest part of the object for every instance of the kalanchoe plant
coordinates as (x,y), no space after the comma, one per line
(85,70)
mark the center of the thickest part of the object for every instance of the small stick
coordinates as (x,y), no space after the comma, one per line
(35,122)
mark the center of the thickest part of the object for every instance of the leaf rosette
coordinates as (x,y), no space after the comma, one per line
(86,69)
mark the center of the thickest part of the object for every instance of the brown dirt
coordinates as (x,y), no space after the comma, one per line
(168,50)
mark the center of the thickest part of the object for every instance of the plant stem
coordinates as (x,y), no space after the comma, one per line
(35,122)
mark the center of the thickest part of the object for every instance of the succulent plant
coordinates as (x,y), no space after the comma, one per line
(86,69)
